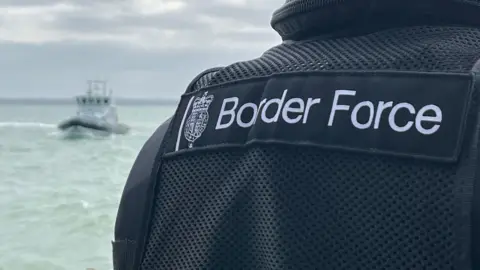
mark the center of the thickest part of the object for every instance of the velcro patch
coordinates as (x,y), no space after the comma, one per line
(409,114)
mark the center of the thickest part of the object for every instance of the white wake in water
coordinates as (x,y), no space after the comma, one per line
(26,125)
(144,129)
(20,124)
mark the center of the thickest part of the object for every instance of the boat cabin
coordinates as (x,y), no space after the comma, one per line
(96,95)
(85,100)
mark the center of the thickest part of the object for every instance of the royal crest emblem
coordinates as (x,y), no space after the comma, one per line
(198,119)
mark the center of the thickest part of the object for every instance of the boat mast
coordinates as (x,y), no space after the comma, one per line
(97,87)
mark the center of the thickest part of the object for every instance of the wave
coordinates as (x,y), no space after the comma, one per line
(135,125)
(145,125)
(26,125)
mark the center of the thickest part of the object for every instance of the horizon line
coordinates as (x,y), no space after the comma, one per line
(65,101)
(73,98)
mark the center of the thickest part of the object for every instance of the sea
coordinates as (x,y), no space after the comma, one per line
(59,197)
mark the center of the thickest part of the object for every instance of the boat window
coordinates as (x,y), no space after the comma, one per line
(84,100)
(105,101)
(98,101)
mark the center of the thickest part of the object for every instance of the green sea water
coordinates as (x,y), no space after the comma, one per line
(58,198)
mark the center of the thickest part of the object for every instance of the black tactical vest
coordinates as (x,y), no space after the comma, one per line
(347,153)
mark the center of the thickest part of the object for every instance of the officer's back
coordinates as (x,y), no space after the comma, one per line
(352,145)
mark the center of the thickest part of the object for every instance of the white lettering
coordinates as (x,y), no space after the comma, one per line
(279,101)
(434,119)
(254,114)
(224,112)
(336,107)
(354,116)
(310,103)
(260,106)
(393,112)
(295,110)
(291,111)
(381,107)
(288,108)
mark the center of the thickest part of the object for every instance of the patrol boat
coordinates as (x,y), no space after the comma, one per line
(96,113)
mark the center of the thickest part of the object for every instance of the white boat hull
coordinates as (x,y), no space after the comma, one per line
(79,132)
(81,125)
(96,114)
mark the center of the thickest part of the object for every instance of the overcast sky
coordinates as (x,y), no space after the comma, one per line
(144,48)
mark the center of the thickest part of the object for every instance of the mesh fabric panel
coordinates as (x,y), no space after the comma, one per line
(450,49)
(284,207)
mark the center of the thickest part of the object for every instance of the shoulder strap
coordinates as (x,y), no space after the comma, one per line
(133,217)
(127,227)
(202,80)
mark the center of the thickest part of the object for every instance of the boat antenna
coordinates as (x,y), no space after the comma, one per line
(90,85)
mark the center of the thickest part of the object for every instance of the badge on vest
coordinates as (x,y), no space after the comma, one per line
(197,122)
(419,115)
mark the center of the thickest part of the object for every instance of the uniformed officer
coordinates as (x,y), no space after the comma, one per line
(351,145)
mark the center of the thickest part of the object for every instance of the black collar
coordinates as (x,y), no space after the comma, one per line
(301,19)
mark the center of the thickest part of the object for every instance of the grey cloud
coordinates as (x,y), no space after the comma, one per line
(196,31)
(60,68)
(259,16)
(186,22)
(101,56)
(16,3)
(92,23)
(53,2)
(184,19)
